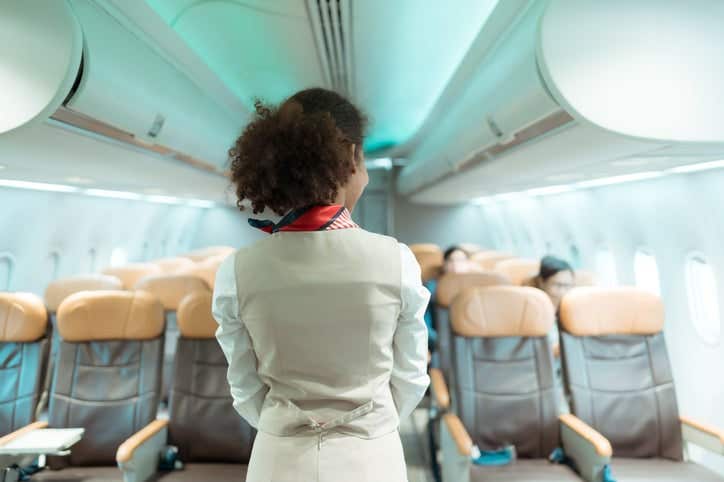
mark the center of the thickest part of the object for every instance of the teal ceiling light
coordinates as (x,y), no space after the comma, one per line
(394,59)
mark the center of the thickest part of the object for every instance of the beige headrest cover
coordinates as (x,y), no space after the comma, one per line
(429,257)
(206,269)
(611,311)
(60,289)
(194,316)
(452,284)
(499,311)
(488,259)
(22,317)
(129,274)
(519,271)
(170,289)
(202,254)
(110,315)
(173,265)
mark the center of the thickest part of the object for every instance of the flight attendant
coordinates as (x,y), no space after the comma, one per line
(321,322)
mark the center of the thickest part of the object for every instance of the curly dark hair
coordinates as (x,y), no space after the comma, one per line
(297,154)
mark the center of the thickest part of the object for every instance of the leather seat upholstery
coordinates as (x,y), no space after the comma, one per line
(24,350)
(488,259)
(504,369)
(518,271)
(130,274)
(107,376)
(430,259)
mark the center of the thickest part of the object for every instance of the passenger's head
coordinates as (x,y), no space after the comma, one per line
(455,260)
(306,151)
(555,277)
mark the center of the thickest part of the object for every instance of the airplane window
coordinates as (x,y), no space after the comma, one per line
(703,300)
(7,263)
(119,257)
(646,271)
(92,255)
(53,265)
(575,256)
(606,268)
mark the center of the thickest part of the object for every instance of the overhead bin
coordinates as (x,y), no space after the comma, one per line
(127,84)
(572,83)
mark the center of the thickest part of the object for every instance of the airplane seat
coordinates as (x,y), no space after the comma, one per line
(213,441)
(449,286)
(507,403)
(519,271)
(430,258)
(202,254)
(173,265)
(106,380)
(170,289)
(130,274)
(206,269)
(487,260)
(24,347)
(617,371)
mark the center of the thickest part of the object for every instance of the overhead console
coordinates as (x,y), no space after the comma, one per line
(575,83)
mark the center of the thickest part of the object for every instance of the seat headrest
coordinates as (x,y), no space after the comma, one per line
(110,315)
(202,254)
(60,289)
(430,259)
(170,289)
(452,284)
(173,265)
(129,274)
(500,311)
(206,269)
(611,311)
(488,259)
(194,316)
(23,317)
(519,271)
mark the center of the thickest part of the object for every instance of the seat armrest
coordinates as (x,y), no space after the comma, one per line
(590,451)
(706,436)
(139,455)
(456,446)
(22,431)
(439,389)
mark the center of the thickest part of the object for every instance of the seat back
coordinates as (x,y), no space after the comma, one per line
(205,269)
(129,274)
(584,278)
(449,286)
(203,423)
(60,289)
(170,289)
(430,259)
(108,371)
(519,271)
(173,265)
(199,255)
(23,358)
(504,368)
(617,371)
(488,259)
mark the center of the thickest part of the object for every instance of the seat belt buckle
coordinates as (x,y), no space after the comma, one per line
(502,456)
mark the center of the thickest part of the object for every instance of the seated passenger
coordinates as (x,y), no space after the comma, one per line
(455,260)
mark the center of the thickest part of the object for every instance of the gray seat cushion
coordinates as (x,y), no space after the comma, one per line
(205,472)
(660,470)
(529,470)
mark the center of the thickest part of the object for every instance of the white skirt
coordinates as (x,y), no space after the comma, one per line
(338,458)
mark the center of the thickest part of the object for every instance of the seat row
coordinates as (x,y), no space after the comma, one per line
(107,380)
(496,412)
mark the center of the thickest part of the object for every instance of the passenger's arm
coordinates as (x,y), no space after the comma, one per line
(590,451)
(706,436)
(138,456)
(409,373)
(247,389)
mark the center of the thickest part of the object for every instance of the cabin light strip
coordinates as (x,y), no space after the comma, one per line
(605,181)
(131,196)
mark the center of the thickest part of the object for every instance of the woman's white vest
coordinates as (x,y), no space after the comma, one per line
(321,308)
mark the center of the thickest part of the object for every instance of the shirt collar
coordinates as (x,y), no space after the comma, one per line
(310,218)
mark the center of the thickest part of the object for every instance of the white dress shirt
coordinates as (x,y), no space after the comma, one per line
(408,380)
